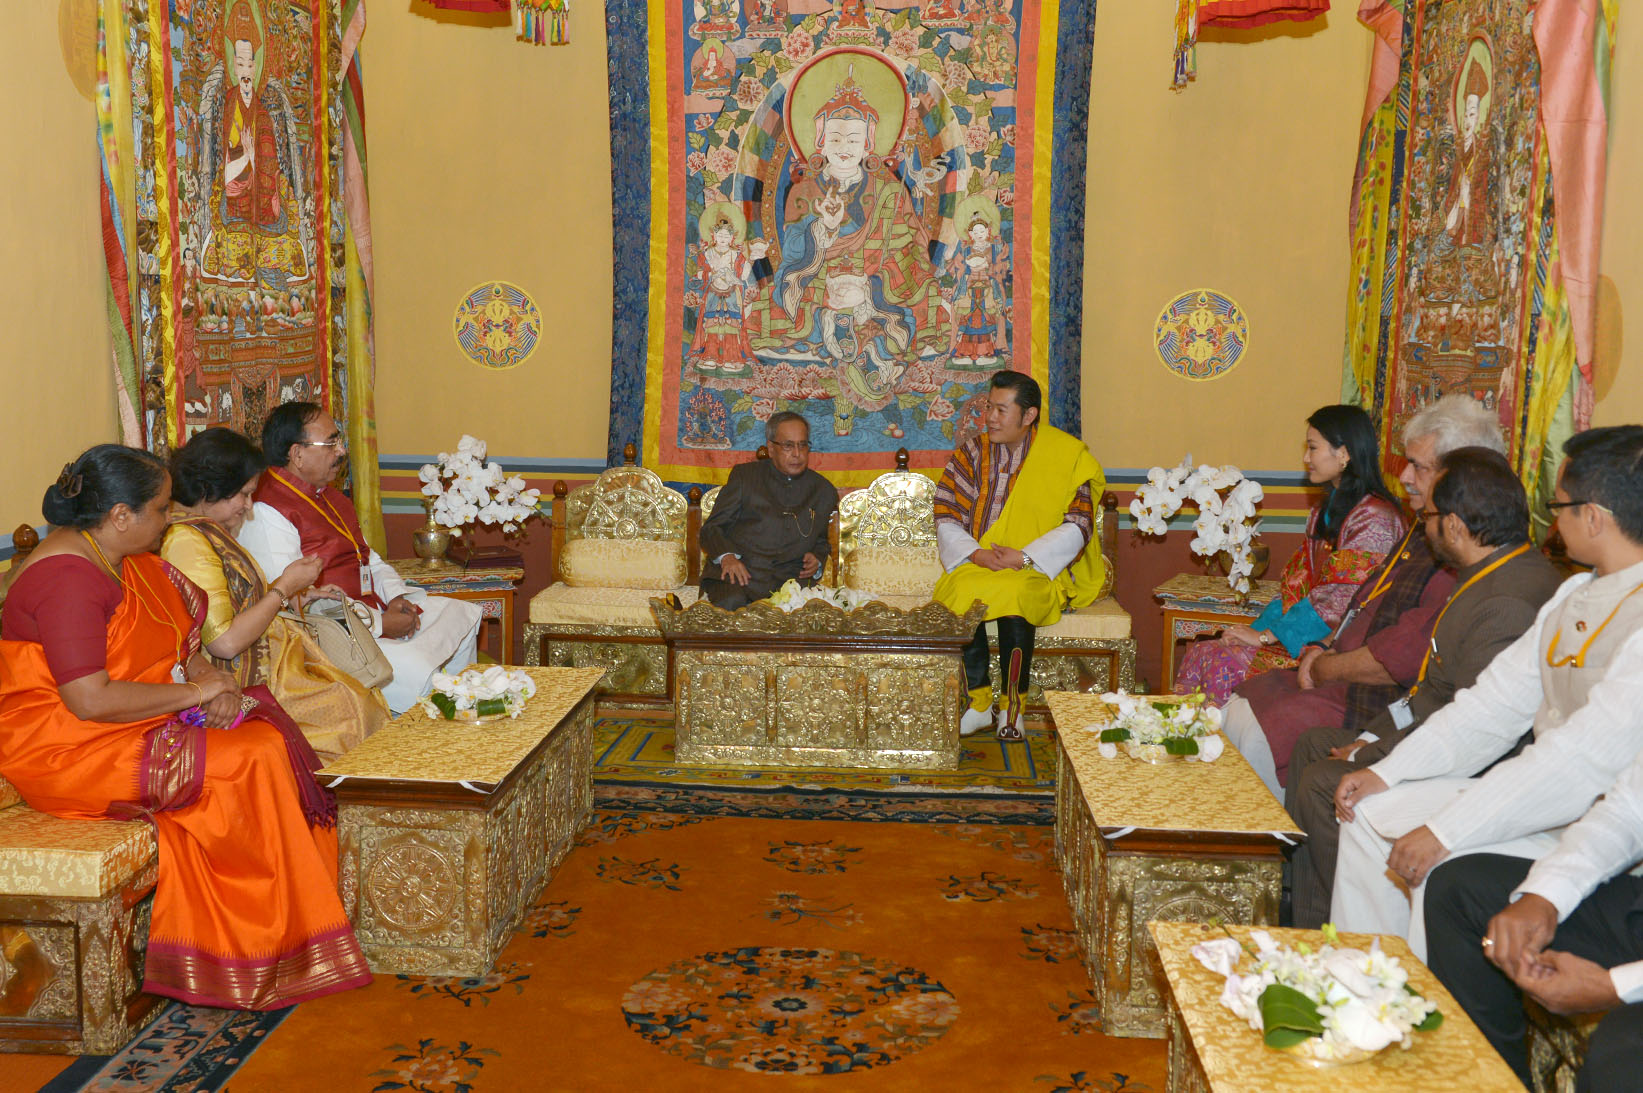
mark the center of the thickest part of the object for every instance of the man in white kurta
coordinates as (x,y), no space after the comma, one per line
(298,512)
(1575,678)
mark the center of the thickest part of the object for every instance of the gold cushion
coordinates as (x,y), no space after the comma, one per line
(564,605)
(624,563)
(1103,619)
(8,794)
(41,855)
(893,570)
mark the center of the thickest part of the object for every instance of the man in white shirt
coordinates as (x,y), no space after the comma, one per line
(1568,932)
(1576,678)
(298,512)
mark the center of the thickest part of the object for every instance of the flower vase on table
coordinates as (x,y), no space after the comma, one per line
(464,488)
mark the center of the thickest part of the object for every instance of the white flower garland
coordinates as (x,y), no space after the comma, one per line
(477,692)
(1226,511)
(1341,1005)
(1148,725)
(465,488)
(792,595)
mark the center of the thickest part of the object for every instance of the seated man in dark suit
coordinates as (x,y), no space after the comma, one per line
(1477,523)
(769,525)
(1567,930)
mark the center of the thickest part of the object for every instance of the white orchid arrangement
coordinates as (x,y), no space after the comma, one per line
(1330,1004)
(1154,726)
(465,488)
(476,693)
(792,596)
(1226,511)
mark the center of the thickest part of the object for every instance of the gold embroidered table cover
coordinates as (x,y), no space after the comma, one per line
(1202,590)
(1234,1059)
(1225,795)
(417,748)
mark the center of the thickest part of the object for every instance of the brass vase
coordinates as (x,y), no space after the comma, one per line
(430,542)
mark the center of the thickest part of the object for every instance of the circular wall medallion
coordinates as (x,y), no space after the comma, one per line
(412,886)
(498,325)
(1201,334)
(789,1011)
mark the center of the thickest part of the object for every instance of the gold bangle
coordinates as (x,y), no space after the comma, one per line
(198,690)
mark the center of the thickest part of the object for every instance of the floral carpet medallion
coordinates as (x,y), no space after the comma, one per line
(640,874)
(465,989)
(551,918)
(818,857)
(789,1011)
(1081,1013)
(790,909)
(432,1067)
(1051,944)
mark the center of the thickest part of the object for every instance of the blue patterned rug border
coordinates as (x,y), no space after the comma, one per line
(203,1068)
(795,803)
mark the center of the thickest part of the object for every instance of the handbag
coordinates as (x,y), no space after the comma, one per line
(343,634)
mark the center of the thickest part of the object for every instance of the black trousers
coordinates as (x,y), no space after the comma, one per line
(1464,894)
(1310,799)
(1014,633)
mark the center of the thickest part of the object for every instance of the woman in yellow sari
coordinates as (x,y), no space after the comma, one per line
(110,708)
(212,479)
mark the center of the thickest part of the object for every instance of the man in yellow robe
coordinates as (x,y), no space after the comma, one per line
(1015,522)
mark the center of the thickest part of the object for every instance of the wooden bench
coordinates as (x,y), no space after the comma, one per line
(75,897)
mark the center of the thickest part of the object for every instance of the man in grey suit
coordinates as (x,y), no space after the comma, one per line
(770,522)
(1477,523)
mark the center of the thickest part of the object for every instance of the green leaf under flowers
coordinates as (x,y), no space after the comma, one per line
(490,707)
(1181,745)
(1114,736)
(446,704)
(1432,1020)
(1288,1016)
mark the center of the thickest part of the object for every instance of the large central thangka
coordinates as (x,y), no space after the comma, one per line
(854,212)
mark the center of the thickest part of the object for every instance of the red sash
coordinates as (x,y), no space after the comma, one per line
(329,526)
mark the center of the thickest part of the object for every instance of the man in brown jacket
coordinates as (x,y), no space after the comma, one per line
(1477,522)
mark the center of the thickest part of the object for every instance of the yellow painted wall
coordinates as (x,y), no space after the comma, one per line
(489,160)
(1238,183)
(59,391)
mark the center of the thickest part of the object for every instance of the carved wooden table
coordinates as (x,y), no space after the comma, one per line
(1175,841)
(1213,1051)
(759,687)
(493,588)
(449,830)
(1195,603)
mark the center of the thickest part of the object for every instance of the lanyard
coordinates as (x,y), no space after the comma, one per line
(328,514)
(154,612)
(1432,646)
(1401,554)
(1578,660)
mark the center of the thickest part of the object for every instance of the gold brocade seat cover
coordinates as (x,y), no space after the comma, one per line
(41,855)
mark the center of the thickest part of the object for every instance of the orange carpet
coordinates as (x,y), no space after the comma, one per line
(725,953)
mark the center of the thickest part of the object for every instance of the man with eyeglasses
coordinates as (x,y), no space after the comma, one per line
(770,522)
(1476,521)
(1575,678)
(300,512)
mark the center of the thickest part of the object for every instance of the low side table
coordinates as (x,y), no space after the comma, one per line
(1195,603)
(1175,841)
(492,588)
(448,830)
(1213,1051)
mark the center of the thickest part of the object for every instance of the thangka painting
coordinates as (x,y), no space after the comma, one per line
(223,165)
(1460,228)
(854,210)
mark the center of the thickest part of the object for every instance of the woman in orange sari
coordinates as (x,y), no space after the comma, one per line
(109,708)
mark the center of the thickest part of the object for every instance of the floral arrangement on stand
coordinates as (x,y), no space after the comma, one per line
(463,488)
(1226,502)
(1327,1005)
(1155,728)
(479,694)
(792,596)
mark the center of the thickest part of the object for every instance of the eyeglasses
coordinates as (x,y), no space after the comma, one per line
(1429,514)
(1555,505)
(337,441)
(793,445)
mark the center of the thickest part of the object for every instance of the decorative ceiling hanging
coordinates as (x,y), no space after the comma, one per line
(539,22)
(1192,16)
